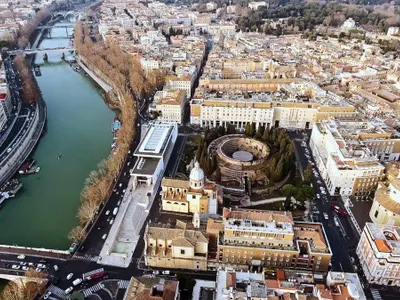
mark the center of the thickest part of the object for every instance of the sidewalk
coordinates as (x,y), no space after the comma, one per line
(125,233)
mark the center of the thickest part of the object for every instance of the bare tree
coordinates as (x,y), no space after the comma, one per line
(77,233)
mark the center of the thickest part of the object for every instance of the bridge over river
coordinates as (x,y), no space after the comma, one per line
(44,50)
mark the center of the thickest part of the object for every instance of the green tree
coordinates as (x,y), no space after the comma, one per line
(308,175)
(265,136)
(260,132)
(252,129)
(231,129)
(247,130)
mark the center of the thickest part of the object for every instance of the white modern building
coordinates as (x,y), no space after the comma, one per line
(379,253)
(347,166)
(393,31)
(349,24)
(153,154)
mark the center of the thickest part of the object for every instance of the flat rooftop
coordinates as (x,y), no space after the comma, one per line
(145,166)
(155,139)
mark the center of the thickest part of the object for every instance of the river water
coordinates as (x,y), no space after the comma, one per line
(79,127)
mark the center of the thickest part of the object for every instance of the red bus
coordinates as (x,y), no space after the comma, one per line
(93,274)
(339,210)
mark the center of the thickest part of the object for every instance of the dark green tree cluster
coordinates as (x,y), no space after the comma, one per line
(301,193)
(308,175)
(305,16)
(282,150)
(209,163)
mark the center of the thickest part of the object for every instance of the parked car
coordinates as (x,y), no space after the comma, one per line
(69,290)
(69,276)
(21,256)
(104,236)
(107,212)
(55,268)
(15,267)
(77,281)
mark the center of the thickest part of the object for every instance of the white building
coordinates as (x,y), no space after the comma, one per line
(5,106)
(379,253)
(347,166)
(393,31)
(349,24)
(153,154)
(254,5)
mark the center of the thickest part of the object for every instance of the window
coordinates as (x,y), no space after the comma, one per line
(182,251)
(376,213)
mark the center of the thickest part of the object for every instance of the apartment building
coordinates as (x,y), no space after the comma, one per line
(385,208)
(190,196)
(151,289)
(170,105)
(379,253)
(5,106)
(278,103)
(271,239)
(183,246)
(347,166)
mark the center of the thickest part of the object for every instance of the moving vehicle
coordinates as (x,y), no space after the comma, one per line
(69,290)
(326,216)
(335,219)
(339,210)
(69,276)
(107,212)
(104,236)
(112,221)
(115,211)
(15,267)
(166,272)
(77,281)
(93,274)
(21,256)
(55,267)
(42,266)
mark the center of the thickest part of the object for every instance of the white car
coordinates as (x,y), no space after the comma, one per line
(107,212)
(69,290)
(55,268)
(69,276)
(104,236)
(77,281)
(111,221)
(15,267)
(326,216)
(41,266)
(318,196)
(25,268)
(336,222)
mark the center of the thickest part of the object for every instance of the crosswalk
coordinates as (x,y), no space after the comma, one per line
(56,291)
(87,257)
(375,294)
(93,289)
(123,284)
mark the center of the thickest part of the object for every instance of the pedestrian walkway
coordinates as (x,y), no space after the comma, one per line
(375,294)
(93,289)
(87,257)
(56,291)
(123,284)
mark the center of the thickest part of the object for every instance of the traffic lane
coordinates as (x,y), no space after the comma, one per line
(94,242)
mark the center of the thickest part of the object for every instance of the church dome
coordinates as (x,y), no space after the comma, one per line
(197,173)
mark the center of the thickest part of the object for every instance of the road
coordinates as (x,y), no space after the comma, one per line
(344,238)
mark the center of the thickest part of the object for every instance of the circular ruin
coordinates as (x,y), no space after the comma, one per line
(240,157)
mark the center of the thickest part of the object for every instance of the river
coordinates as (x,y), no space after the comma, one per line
(79,127)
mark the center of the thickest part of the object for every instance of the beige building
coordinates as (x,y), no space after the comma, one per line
(141,288)
(386,206)
(190,196)
(271,239)
(379,254)
(170,105)
(347,166)
(184,246)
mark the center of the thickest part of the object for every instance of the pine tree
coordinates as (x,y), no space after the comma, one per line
(252,129)
(247,130)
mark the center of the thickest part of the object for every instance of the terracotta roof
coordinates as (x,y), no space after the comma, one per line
(258,215)
(141,289)
(324,292)
(382,246)
(272,283)
(231,280)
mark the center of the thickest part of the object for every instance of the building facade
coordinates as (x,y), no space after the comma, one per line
(180,247)
(347,166)
(379,253)
(170,105)
(256,238)
(386,206)
(190,196)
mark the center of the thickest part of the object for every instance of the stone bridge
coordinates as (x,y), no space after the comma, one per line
(45,50)
(19,277)
(66,14)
